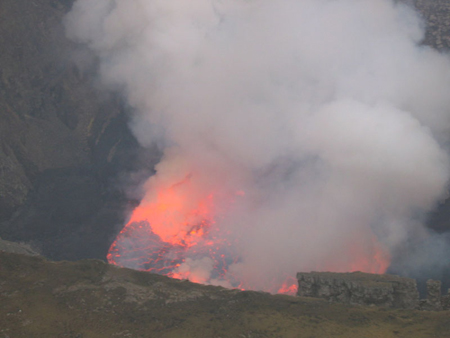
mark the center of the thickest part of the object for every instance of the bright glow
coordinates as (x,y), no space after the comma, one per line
(164,236)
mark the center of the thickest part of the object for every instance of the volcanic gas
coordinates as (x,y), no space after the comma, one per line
(297,135)
(167,228)
(168,233)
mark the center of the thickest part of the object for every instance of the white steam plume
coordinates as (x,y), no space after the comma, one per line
(329,114)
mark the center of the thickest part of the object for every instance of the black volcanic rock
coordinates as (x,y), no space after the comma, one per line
(68,215)
(64,142)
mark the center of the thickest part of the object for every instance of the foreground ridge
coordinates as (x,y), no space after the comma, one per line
(90,298)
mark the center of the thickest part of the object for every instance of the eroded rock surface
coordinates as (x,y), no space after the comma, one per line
(437,16)
(63,140)
(360,288)
(17,248)
(446,301)
(433,301)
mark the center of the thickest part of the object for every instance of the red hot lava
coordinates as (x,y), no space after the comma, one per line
(174,233)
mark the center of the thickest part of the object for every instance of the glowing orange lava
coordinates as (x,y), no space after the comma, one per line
(289,287)
(167,228)
(173,232)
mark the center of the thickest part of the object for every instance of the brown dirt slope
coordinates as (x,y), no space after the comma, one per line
(91,299)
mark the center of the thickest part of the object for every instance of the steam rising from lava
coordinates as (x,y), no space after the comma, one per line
(298,134)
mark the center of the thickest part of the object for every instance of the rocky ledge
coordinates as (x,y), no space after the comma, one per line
(371,289)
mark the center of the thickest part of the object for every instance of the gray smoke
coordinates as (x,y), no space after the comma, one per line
(329,114)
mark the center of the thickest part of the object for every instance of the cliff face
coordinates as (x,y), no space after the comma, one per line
(52,110)
(370,289)
(47,106)
(62,139)
(437,16)
(360,288)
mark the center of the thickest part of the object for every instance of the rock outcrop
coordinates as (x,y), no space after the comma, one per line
(360,288)
(433,301)
(446,301)
(17,248)
(371,289)
(436,15)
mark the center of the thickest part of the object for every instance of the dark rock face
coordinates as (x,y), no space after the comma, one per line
(46,103)
(53,113)
(17,248)
(437,15)
(360,288)
(68,215)
(63,141)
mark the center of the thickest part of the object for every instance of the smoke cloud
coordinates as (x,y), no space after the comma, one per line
(323,120)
